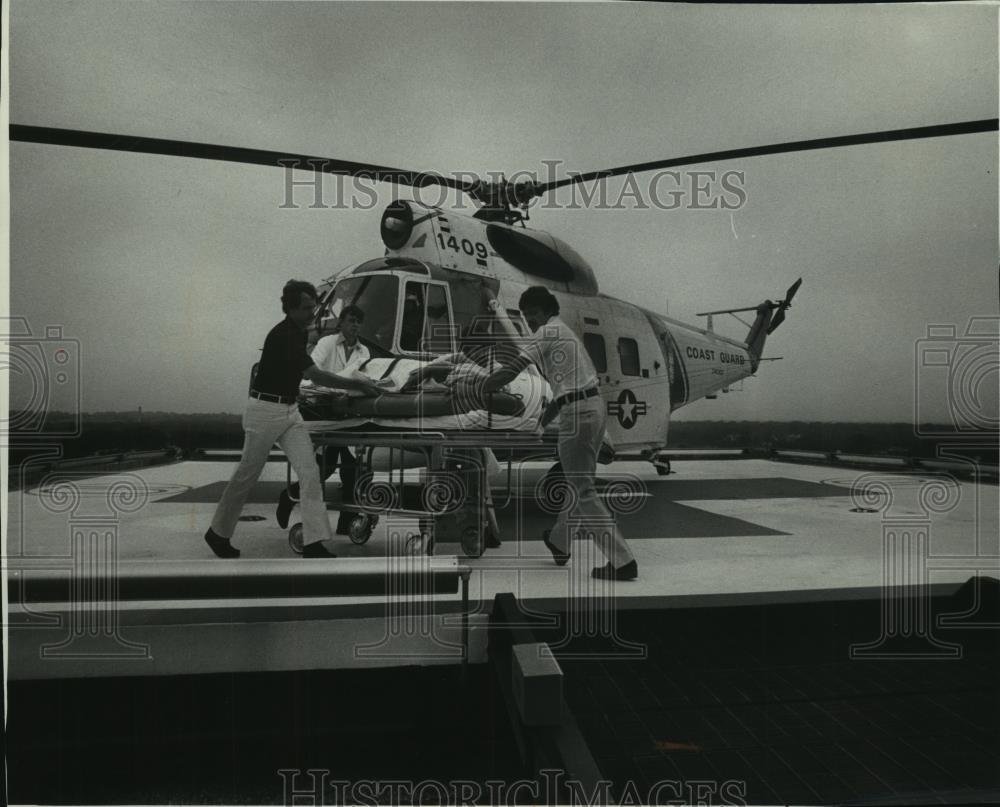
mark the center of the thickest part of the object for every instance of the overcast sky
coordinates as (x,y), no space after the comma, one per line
(168,271)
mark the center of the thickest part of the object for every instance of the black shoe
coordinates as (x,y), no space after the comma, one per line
(220,546)
(630,571)
(316,550)
(558,555)
(285,507)
(492,540)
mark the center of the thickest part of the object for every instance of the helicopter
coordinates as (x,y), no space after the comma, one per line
(445,276)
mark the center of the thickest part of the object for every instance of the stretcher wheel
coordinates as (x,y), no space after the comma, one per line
(361,528)
(295,538)
(420,543)
(472,545)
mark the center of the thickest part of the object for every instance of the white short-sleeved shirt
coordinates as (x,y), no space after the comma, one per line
(330,354)
(561,357)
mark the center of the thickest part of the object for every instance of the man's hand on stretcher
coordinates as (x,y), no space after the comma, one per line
(363,385)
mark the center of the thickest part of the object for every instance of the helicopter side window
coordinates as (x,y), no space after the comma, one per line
(628,356)
(594,343)
(427,324)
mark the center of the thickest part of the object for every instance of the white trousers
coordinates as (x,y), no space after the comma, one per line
(581,430)
(266,423)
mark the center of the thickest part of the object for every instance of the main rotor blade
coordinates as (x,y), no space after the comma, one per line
(208,151)
(943,130)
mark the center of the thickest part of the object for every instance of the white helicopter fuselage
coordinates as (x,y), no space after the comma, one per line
(647,364)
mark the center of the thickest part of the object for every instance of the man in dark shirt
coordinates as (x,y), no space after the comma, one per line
(272,416)
(335,353)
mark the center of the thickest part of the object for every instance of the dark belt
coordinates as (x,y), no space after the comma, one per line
(271,398)
(576,395)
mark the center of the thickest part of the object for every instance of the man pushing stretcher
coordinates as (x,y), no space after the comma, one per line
(563,360)
(272,416)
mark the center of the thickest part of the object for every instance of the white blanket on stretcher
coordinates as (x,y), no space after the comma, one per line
(529,386)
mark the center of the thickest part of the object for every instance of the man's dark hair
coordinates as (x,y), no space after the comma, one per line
(352,311)
(539,297)
(291,295)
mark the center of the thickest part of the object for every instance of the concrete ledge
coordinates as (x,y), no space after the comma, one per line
(557,748)
(537,684)
(105,581)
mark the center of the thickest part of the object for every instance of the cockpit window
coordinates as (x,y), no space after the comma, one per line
(375,295)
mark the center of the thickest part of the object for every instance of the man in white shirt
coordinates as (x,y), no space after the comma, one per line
(342,351)
(563,360)
(337,353)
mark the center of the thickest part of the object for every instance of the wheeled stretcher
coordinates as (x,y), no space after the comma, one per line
(432,427)
(454,503)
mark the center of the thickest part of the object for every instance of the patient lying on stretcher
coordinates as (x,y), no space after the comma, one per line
(447,370)
(417,389)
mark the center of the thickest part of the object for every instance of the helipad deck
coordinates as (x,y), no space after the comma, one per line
(783,642)
(711,527)
(714,531)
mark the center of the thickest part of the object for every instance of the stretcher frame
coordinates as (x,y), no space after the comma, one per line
(437,446)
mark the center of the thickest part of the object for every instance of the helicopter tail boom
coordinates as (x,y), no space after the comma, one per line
(758,333)
(769,316)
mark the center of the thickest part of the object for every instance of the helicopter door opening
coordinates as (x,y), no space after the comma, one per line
(427,325)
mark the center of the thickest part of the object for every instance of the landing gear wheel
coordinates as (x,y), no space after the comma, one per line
(295,538)
(361,528)
(662,467)
(472,543)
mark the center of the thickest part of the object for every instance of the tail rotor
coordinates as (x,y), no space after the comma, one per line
(782,306)
(770,314)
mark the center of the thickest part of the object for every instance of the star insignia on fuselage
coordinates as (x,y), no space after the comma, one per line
(627,408)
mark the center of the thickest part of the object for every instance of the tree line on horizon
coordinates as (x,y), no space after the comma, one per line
(104,432)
